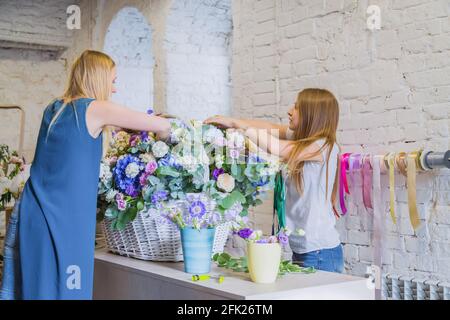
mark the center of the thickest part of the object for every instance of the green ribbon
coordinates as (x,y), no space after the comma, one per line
(279,203)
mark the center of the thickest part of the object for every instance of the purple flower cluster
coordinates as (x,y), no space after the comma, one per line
(159,196)
(150,168)
(217,172)
(121,204)
(245,233)
(126,184)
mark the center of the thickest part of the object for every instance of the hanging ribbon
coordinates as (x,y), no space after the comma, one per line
(354,163)
(279,203)
(378,214)
(413,163)
(343,185)
(367,182)
(400,162)
(389,159)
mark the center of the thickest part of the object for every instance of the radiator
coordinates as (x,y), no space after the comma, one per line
(395,287)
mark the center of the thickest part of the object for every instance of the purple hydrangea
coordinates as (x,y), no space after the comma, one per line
(159,196)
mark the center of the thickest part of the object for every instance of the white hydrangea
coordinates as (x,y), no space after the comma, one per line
(132,170)
(235,140)
(147,157)
(105,173)
(212,135)
(188,162)
(110,195)
(160,149)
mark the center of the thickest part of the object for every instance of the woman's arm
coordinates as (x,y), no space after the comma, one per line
(281,148)
(243,124)
(106,113)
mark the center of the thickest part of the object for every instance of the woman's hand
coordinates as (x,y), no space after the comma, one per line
(221,121)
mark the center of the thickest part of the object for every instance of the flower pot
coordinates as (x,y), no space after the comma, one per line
(197,249)
(263,261)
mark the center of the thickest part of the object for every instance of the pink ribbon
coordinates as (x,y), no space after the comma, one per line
(354,167)
(343,185)
(367,182)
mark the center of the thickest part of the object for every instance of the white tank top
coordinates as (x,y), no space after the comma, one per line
(313,211)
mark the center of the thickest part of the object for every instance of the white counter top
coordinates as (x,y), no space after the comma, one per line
(119,277)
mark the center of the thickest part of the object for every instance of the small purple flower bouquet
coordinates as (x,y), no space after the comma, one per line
(256,236)
(196,211)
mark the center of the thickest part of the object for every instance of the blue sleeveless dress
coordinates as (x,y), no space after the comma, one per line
(57,210)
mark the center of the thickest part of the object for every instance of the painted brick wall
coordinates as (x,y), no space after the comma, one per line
(197,44)
(393,86)
(129,42)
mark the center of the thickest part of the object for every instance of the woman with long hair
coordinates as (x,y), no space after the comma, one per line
(308,147)
(49,252)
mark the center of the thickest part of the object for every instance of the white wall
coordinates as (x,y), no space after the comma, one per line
(393,86)
(198,58)
(129,42)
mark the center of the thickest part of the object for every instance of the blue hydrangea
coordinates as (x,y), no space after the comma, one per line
(126,184)
(169,161)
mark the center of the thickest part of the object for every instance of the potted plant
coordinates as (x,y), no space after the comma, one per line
(264,253)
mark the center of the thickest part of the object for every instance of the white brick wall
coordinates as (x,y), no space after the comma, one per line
(129,42)
(198,58)
(393,86)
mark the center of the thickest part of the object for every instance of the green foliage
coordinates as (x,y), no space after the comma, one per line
(224,260)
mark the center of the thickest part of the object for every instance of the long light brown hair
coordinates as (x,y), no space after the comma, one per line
(318,114)
(90,77)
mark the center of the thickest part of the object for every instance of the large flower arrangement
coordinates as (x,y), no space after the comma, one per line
(12,175)
(141,173)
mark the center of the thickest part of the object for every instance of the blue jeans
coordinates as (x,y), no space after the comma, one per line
(331,260)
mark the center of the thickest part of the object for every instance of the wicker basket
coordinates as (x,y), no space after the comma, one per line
(151,237)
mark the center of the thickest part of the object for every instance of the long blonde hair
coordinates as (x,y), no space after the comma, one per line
(90,77)
(318,112)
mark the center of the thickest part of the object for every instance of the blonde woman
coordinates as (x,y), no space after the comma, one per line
(49,254)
